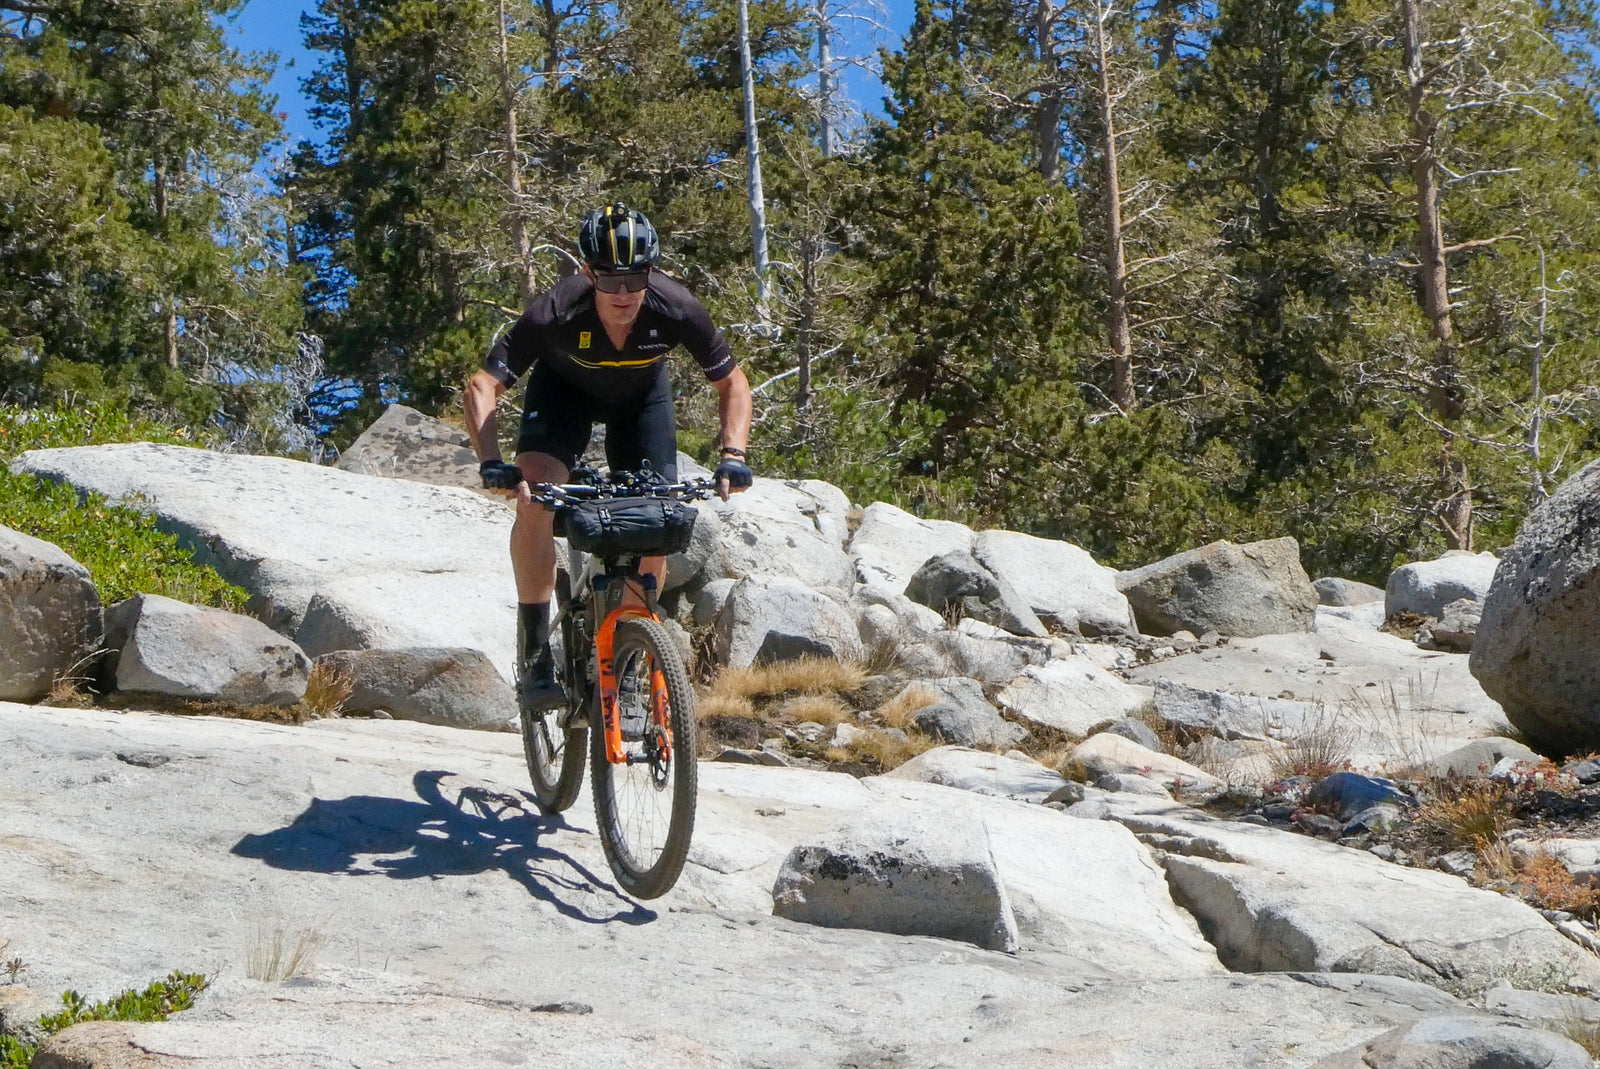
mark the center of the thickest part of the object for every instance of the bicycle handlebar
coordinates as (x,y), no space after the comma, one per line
(556,495)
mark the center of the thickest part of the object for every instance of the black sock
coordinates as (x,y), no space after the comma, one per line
(534,618)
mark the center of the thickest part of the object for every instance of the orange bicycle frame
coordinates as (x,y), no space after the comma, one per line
(611,723)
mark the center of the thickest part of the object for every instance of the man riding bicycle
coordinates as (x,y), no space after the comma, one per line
(597,344)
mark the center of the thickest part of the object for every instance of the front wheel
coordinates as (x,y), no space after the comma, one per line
(644,807)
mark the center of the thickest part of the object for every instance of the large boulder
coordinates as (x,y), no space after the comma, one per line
(779,528)
(1058,580)
(403,564)
(1537,650)
(891,544)
(1107,754)
(1239,590)
(1272,900)
(900,868)
(1425,587)
(956,582)
(50,617)
(781,619)
(1462,1042)
(188,651)
(1070,694)
(456,688)
(1232,716)
(406,444)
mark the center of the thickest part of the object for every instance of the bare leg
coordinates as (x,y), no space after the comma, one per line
(533,546)
(656,566)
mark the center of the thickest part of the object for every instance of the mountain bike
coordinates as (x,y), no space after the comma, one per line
(628,696)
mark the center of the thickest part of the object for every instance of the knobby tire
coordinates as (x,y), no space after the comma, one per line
(645,821)
(555,754)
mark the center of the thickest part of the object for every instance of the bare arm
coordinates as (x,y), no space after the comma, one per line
(734,408)
(478,401)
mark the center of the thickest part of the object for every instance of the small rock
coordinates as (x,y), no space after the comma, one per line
(1457,862)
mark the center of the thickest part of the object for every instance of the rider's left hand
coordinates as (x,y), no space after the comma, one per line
(733,476)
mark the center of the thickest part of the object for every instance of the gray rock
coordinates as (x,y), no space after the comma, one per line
(955,581)
(406,444)
(1343,592)
(780,617)
(1071,695)
(961,715)
(956,725)
(1476,758)
(705,542)
(1238,590)
(187,651)
(898,868)
(1373,818)
(1455,629)
(1559,1010)
(401,564)
(1058,580)
(1275,900)
(776,529)
(1132,783)
(1232,716)
(1106,755)
(982,773)
(1537,650)
(1426,587)
(1137,731)
(50,617)
(891,544)
(1462,1042)
(709,601)
(456,688)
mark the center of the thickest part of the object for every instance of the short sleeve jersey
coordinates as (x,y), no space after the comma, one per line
(562,329)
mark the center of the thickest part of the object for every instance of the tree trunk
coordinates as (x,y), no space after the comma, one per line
(1445,394)
(519,223)
(825,80)
(1047,119)
(1116,263)
(758,208)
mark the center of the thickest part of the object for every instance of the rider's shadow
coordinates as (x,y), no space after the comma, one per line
(438,836)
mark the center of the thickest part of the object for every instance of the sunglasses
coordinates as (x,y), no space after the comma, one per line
(616,282)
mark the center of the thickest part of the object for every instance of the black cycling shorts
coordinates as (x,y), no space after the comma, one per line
(558,418)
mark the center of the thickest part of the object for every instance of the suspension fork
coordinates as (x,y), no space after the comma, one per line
(605,639)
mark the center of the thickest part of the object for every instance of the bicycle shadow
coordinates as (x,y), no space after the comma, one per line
(435,836)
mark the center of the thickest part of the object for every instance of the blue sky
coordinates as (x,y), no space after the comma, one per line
(274,26)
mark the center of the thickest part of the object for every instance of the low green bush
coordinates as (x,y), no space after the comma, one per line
(122,548)
(154,1003)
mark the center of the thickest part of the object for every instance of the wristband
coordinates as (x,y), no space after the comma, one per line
(731,451)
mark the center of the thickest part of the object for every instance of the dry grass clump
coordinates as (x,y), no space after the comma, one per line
(1585,1034)
(882,750)
(327,689)
(807,675)
(712,704)
(1471,813)
(1322,749)
(281,955)
(898,711)
(1546,884)
(816,708)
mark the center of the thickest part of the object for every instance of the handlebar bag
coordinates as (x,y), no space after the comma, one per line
(617,526)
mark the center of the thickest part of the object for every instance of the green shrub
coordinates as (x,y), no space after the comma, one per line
(154,1003)
(122,548)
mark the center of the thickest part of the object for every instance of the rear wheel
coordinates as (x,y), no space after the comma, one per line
(554,750)
(645,806)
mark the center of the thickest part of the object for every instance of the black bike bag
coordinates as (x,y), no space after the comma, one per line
(618,526)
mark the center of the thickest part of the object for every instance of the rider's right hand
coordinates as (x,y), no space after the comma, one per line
(498,475)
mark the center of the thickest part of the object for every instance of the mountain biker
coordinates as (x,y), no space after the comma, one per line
(597,343)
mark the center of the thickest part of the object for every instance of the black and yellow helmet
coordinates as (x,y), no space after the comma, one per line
(616,238)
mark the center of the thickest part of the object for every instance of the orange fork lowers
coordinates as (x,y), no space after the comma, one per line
(605,647)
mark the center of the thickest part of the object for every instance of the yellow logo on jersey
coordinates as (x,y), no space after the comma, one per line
(583,339)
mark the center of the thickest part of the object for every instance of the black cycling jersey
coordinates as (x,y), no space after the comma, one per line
(562,331)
